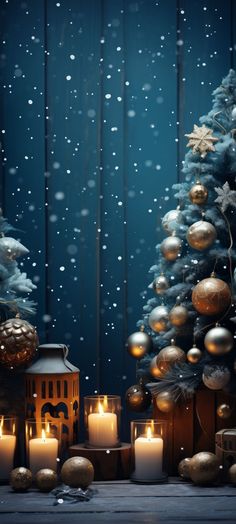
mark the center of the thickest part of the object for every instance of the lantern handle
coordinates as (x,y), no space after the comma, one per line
(65,351)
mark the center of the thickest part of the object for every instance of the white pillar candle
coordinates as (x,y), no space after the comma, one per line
(7,450)
(43,454)
(148,457)
(102,429)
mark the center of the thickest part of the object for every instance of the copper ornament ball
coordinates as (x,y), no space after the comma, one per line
(224,411)
(138,344)
(183,468)
(194,355)
(211,296)
(201,235)
(169,356)
(218,341)
(232,474)
(21,479)
(171,248)
(46,479)
(18,342)
(138,398)
(198,194)
(77,472)
(204,468)
(165,402)
(160,284)
(158,319)
(178,315)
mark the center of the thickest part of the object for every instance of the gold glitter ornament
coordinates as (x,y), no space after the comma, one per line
(171,247)
(46,479)
(165,402)
(198,194)
(178,315)
(224,411)
(204,468)
(18,342)
(201,235)
(183,468)
(158,319)
(194,355)
(201,140)
(77,472)
(20,479)
(211,296)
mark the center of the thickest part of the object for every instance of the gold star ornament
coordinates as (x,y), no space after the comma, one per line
(201,140)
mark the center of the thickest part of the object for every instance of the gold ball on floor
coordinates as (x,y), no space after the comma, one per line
(46,479)
(224,411)
(183,468)
(194,355)
(77,472)
(204,468)
(232,474)
(211,296)
(165,402)
(20,479)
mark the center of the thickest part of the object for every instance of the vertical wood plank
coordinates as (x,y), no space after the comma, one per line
(204,428)
(183,423)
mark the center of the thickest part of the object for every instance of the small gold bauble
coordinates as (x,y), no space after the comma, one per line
(138,398)
(204,468)
(18,342)
(198,194)
(165,402)
(20,479)
(183,468)
(194,355)
(169,356)
(218,341)
(178,315)
(211,296)
(154,370)
(77,472)
(158,319)
(232,474)
(138,344)
(46,479)
(201,235)
(224,411)
(160,285)
(171,247)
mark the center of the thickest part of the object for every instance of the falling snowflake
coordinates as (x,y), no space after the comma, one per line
(227,197)
(201,140)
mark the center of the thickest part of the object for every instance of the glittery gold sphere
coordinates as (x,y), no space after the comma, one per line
(138,398)
(232,474)
(46,479)
(201,235)
(158,319)
(178,315)
(77,472)
(204,468)
(218,341)
(138,344)
(183,468)
(198,194)
(169,356)
(224,411)
(20,479)
(165,402)
(211,296)
(171,247)
(194,355)
(18,342)
(154,370)
(160,285)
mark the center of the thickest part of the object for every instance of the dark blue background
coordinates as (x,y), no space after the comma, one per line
(96,96)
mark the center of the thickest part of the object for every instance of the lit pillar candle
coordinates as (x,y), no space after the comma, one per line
(148,457)
(7,450)
(43,453)
(102,428)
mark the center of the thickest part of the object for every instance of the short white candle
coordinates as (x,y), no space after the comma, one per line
(148,457)
(43,453)
(102,428)
(7,450)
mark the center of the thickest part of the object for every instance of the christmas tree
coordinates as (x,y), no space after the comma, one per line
(187,330)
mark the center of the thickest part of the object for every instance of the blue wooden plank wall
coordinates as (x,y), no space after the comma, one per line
(96,96)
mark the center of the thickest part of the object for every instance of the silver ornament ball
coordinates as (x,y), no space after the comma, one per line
(172,220)
(158,319)
(233,114)
(215,376)
(138,344)
(218,341)
(160,285)
(171,247)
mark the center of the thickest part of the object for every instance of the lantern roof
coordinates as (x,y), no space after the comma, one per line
(52,360)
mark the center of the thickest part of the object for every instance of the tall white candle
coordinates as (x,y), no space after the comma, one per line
(102,429)
(43,453)
(7,450)
(148,457)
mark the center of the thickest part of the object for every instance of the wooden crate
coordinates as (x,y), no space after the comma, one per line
(192,425)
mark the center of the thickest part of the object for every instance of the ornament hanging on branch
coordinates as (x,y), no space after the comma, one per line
(171,247)
(138,398)
(154,370)
(201,140)
(218,341)
(178,315)
(138,344)
(194,355)
(224,411)
(18,342)
(158,319)
(172,220)
(201,235)
(167,357)
(160,284)
(212,296)
(198,194)
(215,376)
(165,401)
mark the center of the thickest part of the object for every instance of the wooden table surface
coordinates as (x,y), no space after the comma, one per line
(121,501)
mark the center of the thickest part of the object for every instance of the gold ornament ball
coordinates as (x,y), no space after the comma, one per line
(18,342)
(165,402)
(158,319)
(215,376)
(46,479)
(171,248)
(211,296)
(172,220)
(154,370)
(138,344)
(178,316)
(201,235)
(194,355)
(204,468)
(21,479)
(198,194)
(160,285)
(77,472)
(169,356)
(224,411)
(138,398)
(218,341)
(232,474)
(183,468)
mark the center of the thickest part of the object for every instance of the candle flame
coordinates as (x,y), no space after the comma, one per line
(149,432)
(43,434)
(100,408)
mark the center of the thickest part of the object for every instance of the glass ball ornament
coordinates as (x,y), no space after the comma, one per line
(138,344)
(204,468)
(198,194)
(167,357)
(158,319)
(201,235)
(138,398)
(218,341)
(224,411)
(171,247)
(215,376)
(165,402)
(160,284)
(211,296)
(172,220)
(178,315)
(77,472)
(183,468)
(194,355)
